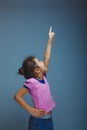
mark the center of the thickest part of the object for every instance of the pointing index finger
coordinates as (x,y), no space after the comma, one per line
(50,30)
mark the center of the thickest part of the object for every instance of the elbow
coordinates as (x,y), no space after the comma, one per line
(16,97)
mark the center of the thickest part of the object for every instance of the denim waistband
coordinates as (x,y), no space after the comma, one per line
(43,117)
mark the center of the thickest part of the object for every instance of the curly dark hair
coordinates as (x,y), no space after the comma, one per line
(28,66)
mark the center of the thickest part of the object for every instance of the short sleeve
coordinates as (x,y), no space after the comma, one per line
(28,84)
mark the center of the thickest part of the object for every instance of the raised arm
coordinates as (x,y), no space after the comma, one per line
(47,53)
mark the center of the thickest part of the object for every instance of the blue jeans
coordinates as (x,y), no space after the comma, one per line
(40,124)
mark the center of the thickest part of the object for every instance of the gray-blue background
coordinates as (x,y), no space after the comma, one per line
(24,26)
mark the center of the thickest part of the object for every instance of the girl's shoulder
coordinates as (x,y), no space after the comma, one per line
(30,83)
(31,80)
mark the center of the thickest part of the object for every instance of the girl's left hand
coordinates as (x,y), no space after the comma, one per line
(51,34)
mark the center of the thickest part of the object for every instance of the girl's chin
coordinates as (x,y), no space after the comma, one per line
(45,70)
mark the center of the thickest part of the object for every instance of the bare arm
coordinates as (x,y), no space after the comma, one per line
(47,53)
(19,99)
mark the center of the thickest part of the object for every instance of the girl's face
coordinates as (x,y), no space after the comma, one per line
(41,65)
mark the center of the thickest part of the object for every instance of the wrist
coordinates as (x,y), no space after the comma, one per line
(50,40)
(30,109)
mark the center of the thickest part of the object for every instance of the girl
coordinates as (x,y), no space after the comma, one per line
(37,86)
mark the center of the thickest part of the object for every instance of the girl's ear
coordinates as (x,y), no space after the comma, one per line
(37,70)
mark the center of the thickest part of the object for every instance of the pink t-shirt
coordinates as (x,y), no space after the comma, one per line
(40,94)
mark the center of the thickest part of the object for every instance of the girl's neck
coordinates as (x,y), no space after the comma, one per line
(39,76)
